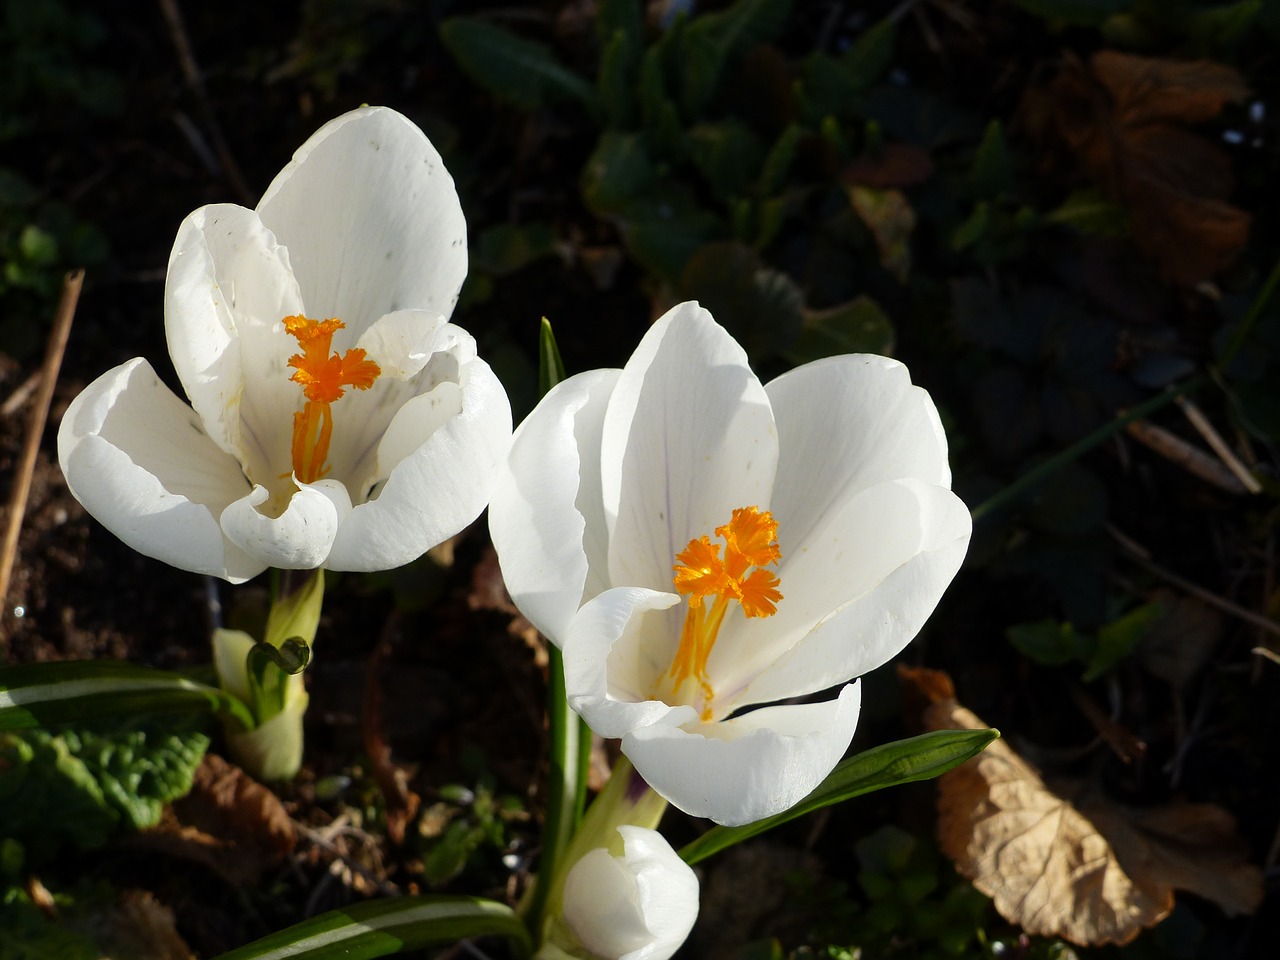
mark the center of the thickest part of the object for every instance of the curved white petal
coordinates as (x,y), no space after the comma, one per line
(371,220)
(844,424)
(749,767)
(848,557)
(637,906)
(545,516)
(438,486)
(228,288)
(373,431)
(609,666)
(298,538)
(871,628)
(139,460)
(688,436)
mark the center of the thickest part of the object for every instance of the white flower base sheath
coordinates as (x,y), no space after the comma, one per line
(617,473)
(364,226)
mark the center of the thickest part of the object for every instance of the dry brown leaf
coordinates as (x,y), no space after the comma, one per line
(138,927)
(1092,874)
(1178,645)
(229,822)
(894,165)
(888,214)
(1123,117)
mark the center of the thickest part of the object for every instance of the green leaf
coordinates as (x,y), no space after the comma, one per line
(620,30)
(712,40)
(905,761)
(1117,639)
(859,326)
(28,933)
(664,227)
(762,308)
(78,786)
(40,694)
(507,247)
(1048,642)
(728,154)
(550,365)
(777,164)
(870,54)
(518,71)
(1090,212)
(383,927)
(620,168)
(48,797)
(991,173)
(37,246)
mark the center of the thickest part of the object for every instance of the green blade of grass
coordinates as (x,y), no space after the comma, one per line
(40,694)
(382,927)
(904,761)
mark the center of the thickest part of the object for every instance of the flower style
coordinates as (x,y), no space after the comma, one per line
(337,419)
(698,543)
(637,906)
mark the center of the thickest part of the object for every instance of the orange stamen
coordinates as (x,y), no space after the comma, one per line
(750,542)
(323,375)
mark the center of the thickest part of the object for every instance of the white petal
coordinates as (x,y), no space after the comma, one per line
(609,666)
(688,436)
(844,424)
(545,517)
(637,906)
(139,460)
(373,431)
(925,529)
(371,220)
(750,767)
(438,487)
(229,286)
(298,538)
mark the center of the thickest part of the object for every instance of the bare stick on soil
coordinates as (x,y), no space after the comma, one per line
(71,284)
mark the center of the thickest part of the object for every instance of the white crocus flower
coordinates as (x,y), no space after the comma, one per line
(337,419)
(637,906)
(699,544)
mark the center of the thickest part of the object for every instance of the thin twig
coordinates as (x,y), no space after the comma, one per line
(1186,455)
(191,74)
(71,284)
(1142,557)
(1214,439)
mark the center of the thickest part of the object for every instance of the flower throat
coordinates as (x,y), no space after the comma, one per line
(750,544)
(323,375)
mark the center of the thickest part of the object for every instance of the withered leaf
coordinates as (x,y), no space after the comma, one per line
(1124,118)
(891,220)
(229,822)
(1090,872)
(137,927)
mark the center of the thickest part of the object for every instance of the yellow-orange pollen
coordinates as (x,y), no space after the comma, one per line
(750,544)
(323,375)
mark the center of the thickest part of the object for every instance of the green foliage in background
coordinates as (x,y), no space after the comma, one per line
(79,788)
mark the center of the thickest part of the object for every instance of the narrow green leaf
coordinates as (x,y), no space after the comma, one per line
(550,366)
(383,927)
(40,694)
(712,40)
(519,71)
(870,54)
(905,761)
